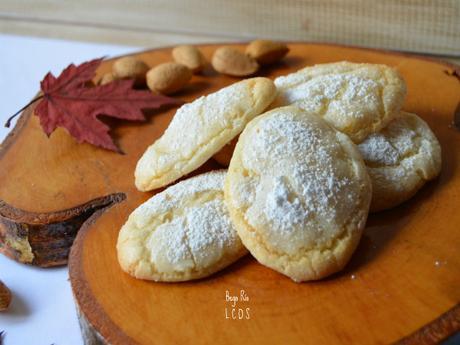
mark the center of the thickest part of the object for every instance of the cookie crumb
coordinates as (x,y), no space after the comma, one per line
(438,263)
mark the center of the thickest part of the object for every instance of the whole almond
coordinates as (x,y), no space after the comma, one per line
(107,78)
(5,297)
(189,56)
(267,52)
(168,77)
(228,60)
(130,67)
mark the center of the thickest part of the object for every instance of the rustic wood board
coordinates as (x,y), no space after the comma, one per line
(418,25)
(406,270)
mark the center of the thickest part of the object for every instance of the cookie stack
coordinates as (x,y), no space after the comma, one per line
(301,180)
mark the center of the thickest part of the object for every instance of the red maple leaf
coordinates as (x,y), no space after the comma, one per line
(67,102)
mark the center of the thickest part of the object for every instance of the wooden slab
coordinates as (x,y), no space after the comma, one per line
(404,276)
(419,25)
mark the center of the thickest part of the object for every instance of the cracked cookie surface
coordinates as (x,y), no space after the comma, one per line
(298,193)
(180,234)
(400,159)
(356,99)
(200,129)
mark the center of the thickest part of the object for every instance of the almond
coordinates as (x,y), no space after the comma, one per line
(189,56)
(266,52)
(5,297)
(107,78)
(130,67)
(228,60)
(168,77)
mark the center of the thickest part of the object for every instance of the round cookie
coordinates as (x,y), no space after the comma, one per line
(180,234)
(356,99)
(400,159)
(200,129)
(298,193)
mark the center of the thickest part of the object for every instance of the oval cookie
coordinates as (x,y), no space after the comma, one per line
(298,193)
(400,159)
(200,129)
(180,234)
(356,99)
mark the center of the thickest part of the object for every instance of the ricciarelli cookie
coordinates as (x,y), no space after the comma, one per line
(180,234)
(298,193)
(356,99)
(400,159)
(200,129)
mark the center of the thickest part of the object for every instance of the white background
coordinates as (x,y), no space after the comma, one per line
(42,310)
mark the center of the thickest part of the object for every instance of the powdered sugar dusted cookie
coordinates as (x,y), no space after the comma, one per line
(298,193)
(356,99)
(200,129)
(400,159)
(180,234)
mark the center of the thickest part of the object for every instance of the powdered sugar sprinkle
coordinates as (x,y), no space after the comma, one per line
(298,181)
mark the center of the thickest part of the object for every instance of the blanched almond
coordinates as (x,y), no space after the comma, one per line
(228,60)
(189,56)
(168,77)
(107,78)
(5,297)
(267,52)
(130,67)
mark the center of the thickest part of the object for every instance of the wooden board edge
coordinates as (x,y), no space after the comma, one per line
(95,325)
(45,239)
(88,333)
(436,331)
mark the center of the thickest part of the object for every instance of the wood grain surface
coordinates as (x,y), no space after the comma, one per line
(417,25)
(402,284)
